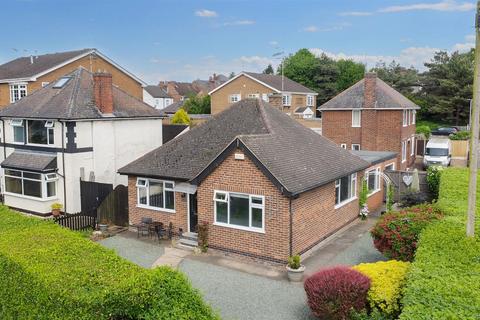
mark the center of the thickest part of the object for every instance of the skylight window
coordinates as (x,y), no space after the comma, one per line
(61,82)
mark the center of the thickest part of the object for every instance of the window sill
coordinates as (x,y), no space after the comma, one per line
(29,197)
(231,226)
(356,126)
(341,204)
(155,208)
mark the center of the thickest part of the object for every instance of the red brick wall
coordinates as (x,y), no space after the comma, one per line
(179,218)
(337,126)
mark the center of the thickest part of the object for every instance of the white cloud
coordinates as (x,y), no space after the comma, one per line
(273,43)
(310,29)
(356,13)
(446,5)
(336,27)
(465,46)
(204,13)
(239,23)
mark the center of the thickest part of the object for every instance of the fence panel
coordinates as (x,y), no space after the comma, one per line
(114,209)
(460,149)
(77,221)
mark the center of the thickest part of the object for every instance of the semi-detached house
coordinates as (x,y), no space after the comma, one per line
(268,186)
(78,127)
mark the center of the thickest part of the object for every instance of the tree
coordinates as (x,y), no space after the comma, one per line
(447,86)
(197,105)
(180,117)
(404,80)
(269,70)
(232,74)
(317,73)
(350,72)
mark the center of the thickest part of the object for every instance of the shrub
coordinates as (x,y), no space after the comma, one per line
(425,130)
(444,280)
(53,273)
(460,135)
(413,198)
(203,236)
(389,204)
(433,180)
(334,293)
(180,117)
(387,281)
(294,262)
(396,234)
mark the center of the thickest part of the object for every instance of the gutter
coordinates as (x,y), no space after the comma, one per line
(3,139)
(291,227)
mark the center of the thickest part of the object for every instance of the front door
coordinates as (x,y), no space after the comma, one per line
(192,214)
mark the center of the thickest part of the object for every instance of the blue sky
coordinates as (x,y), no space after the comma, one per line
(185,40)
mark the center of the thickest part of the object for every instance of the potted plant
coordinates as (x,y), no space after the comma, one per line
(295,269)
(56,208)
(103,226)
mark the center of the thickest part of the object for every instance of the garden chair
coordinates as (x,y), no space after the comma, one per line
(143,228)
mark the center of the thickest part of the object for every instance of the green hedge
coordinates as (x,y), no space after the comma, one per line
(48,272)
(444,279)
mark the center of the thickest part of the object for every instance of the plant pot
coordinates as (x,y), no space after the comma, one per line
(295,275)
(103,227)
(56,212)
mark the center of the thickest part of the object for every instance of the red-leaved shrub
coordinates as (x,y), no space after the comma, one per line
(334,293)
(396,234)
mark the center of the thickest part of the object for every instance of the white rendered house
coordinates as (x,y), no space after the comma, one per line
(79,127)
(156,97)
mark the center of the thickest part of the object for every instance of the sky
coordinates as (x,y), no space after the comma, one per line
(185,40)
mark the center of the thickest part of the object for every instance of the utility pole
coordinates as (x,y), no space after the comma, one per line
(472,186)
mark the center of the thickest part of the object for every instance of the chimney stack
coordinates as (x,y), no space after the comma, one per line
(103,92)
(369,90)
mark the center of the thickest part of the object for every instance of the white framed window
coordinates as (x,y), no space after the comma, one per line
(310,101)
(343,145)
(234,98)
(239,210)
(373,180)
(356,118)
(45,83)
(345,190)
(18,130)
(265,97)
(287,100)
(17,91)
(40,132)
(390,166)
(404,151)
(31,184)
(253,95)
(405,118)
(156,194)
(412,146)
(355,146)
(414,116)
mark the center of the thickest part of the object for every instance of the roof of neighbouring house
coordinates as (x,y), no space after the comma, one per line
(302,110)
(157,92)
(374,157)
(296,158)
(353,98)
(174,107)
(34,161)
(75,100)
(171,131)
(27,68)
(273,81)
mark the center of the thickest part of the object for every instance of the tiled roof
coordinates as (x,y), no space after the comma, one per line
(24,68)
(353,98)
(171,109)
(34,161)
(75,100)
(275,81)
(295,156)
(374,157)
(157,92)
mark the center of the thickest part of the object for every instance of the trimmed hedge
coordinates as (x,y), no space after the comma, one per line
(48,272)
(387,282)
(444,279)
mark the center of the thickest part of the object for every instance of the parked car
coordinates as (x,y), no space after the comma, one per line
(444,131)
(438,152)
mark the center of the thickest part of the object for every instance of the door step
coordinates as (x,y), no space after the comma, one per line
(188,240)
(190,236)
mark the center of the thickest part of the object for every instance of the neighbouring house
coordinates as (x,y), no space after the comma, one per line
(24,75)
(180,91)
(79,127)
(371,115)
(174,107)
(245,85)
(304,113)
(156,97)
(267,186)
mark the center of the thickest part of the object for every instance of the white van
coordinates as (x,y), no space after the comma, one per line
(438,152)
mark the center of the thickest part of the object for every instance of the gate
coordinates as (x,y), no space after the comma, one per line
(114,209)
(92,195)
(77,221)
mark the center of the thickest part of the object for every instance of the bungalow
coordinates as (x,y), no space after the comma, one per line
(78,127)
(268,186)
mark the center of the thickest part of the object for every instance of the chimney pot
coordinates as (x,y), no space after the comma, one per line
(103,92)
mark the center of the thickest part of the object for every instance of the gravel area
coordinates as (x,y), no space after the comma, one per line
(238,295)
(139,252)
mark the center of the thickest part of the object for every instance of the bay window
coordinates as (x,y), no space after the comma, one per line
(31,184)
(239,210)
(345,189)
(155,194)
(17,92)
(373,180)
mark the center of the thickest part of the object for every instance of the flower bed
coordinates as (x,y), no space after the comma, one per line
(54,273)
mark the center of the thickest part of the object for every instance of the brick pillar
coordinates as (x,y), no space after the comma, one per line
(103,92)
(275,100)
(369,114)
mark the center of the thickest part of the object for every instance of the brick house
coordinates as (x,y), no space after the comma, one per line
(268,186)
(373,116)
(24,75)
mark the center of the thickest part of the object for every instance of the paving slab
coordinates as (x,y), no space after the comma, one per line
(172,257)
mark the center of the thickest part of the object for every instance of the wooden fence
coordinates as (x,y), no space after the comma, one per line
(114,208)
(400,187)
(460,149)
(77,221)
